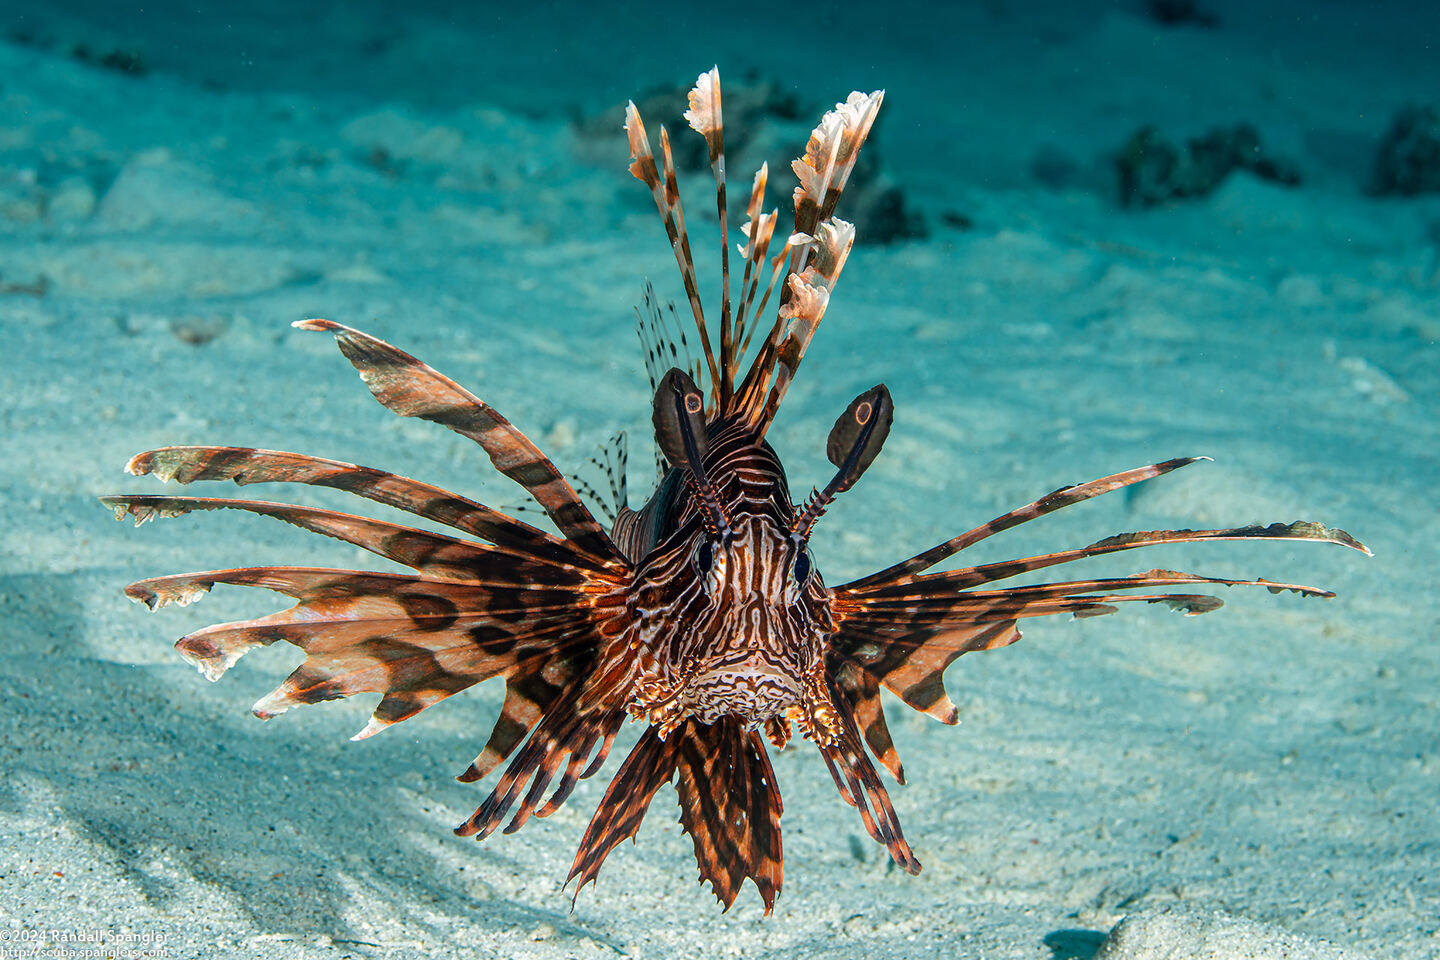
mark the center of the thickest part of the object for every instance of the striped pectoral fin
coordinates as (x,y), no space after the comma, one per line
(650,765)
(410,669)
(320,626)
(322,590)
(862,692)
(245,465)
(183,589)
(909,659)
(565,736)
(412,663)
(904,635)
(937,593)
(730,806)
(529,693)
(901,572)
(430,553)
(411,389)
(1063,497)
(414,640)
(966,577)
(860,786)
(327,583)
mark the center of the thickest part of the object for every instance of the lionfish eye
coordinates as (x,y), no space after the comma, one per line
(709,562)
(802,566)
(800,569)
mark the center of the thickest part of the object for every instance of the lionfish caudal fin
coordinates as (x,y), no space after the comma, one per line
(899,629)
(806,267)
(524,605)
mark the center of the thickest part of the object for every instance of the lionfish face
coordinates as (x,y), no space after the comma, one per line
(734,621)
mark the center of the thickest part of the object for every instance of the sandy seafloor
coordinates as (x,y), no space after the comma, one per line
(1274,765)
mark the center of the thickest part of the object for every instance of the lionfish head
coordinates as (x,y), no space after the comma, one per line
(733,612)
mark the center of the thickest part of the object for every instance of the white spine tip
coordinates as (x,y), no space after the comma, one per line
(271,705)
(371,728)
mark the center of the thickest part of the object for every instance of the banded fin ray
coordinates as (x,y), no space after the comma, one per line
(563,734)
(410,388)
(666,192)
(245,465)
(1063,497)
(530,692)
(411,667)
(430,553)
(758,229)
(812,256)
(910,662)
(966,577)
(904,635)
(861,788)
(815,255)
(306,583)
(650,765)
(357,621)
(862,692)
(920,592)
(705,116)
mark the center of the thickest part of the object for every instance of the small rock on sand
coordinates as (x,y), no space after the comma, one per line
(1179,934)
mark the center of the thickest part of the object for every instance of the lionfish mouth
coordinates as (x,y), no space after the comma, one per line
(750,688)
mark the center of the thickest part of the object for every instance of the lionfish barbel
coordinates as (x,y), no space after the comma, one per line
(702,614)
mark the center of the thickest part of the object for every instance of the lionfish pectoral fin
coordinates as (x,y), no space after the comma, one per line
(246,465)
(1063,497)
(910,659)
(1070,495)
(862,692)
(564,735)
(650,764)
(530,692)
(410,388)
(942,585)
(414,640)
(901,629)
(860,786)
(430,553)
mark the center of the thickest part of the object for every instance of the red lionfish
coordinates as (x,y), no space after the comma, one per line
(702,614)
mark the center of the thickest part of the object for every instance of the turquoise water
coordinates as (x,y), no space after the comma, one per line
(179,184)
